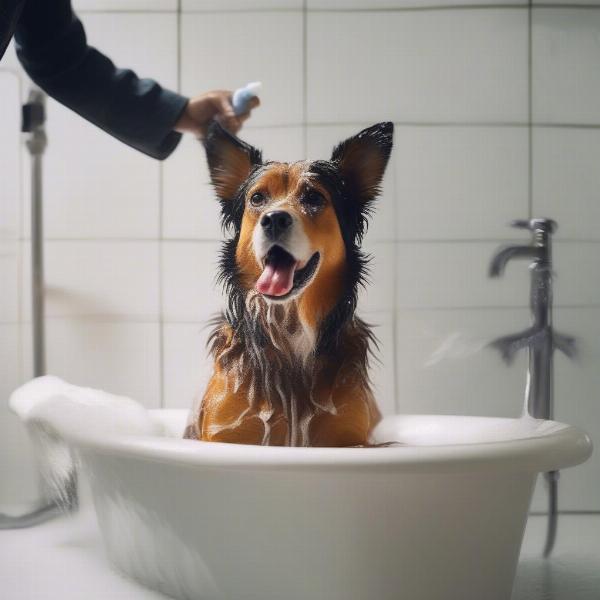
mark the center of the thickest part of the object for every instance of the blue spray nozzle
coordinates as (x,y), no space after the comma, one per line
(242,96)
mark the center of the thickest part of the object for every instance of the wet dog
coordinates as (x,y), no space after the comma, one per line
(290,355)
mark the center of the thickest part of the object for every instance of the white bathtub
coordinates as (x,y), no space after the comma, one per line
(441,518)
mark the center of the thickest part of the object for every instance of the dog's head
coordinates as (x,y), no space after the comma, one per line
(297,226)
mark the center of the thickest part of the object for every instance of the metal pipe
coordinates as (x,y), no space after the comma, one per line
(540,339)
(33,124)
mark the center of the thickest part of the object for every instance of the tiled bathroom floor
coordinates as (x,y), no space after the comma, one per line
(64,560)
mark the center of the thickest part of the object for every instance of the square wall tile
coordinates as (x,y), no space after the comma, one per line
(455,275)
(382,364)
(190,208)
(17,464)
(378,293)
(576,274)
(460,182)
(379,4)
(246,5)
(96,186)
(445,367)
(107,191)
(119,357)
(190,292)
(125,5)
(569,2)
(320,142)
(116,280)
(566,180)
(10,264)
(154,53)
(267,47)
(566,79)
(576,403)
(577,384)
(187,366)
(417,66)
(10,155)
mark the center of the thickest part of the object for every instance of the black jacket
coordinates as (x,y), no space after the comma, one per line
(52,47)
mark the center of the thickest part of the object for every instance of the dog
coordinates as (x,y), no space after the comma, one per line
(290,355)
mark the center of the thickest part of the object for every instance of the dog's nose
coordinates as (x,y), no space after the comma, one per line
(275,223)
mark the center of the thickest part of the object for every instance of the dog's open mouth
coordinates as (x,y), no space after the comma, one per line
(281,276)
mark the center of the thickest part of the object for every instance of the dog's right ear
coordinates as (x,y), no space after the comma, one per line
(230,161)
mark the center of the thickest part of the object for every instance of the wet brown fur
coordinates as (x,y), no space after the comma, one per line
(277,387)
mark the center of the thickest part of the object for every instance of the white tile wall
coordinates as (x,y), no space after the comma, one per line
(123,357)
(187,366)
(577,391)
(131,256)
(577,274)
(460,182)
(567,179)
(444,364)
(443,275)
(235,5)
(382,365)
(417,66)
(17,471)
(189,289)
(10,262)
(10,158)
(577,394)
(125,5)
(267,48)
(117,280)
(110,177)
(566,79)
(379,4)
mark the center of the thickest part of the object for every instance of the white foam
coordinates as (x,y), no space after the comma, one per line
(55,411)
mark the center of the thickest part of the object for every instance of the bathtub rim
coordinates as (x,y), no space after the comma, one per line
(560,447)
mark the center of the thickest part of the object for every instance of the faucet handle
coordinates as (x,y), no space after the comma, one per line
(543,225)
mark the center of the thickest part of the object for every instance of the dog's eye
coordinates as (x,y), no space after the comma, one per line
(313,199)
(257,199)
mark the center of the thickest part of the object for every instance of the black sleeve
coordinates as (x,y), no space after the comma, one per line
(52,47)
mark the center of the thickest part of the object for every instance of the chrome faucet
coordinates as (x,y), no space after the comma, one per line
(540,338)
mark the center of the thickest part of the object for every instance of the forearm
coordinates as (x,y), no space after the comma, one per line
(137,111)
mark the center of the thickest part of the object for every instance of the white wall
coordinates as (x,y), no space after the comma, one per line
(481,138)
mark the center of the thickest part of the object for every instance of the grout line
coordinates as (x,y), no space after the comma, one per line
(404,241)
(473,124)
(398,9)
(128,319)
(20,265)
(179,50)
(529,112)
(539,513)
(431,8)
(304,78)
(566,5)
(161,341)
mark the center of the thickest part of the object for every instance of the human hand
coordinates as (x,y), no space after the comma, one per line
(216,104)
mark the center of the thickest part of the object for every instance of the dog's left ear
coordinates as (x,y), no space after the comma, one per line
(230,160)
(362,159)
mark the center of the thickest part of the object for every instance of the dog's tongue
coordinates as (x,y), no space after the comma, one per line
(277,277)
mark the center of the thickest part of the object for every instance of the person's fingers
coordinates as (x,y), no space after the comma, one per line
(253,103)
(223,105)
(232,123)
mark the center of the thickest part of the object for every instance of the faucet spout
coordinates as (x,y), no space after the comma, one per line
(507,253)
